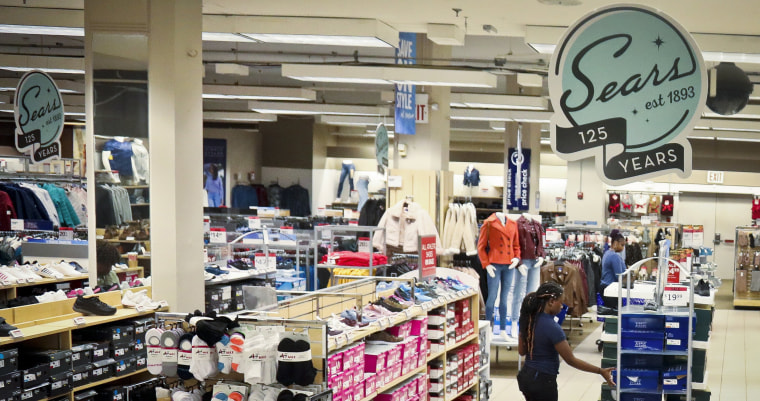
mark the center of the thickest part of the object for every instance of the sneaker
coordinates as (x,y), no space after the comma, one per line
(702,288)
(5,328)
(383,337)
(77,267)
(66,269)
(650,306)
(46,272)
(93,306)
(140,298)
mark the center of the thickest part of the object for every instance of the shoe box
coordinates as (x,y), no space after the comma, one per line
(8,361)
(81,354)
(125,366)
(88,395)
(82,374)
(57,361)
(115,332)
(219,299)
(14,395)
(114,393)
(102,370)
(36,393)
(9,383)
(141,326)
(60,383)
(121,349)
(34,375)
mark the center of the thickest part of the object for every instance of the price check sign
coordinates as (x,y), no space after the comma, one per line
(675,296)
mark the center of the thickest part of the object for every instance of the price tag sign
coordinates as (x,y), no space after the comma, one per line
(646,220)
(272,262)
(340,341)
(16,333)
(286,230)
(675,296)
(363,244)
(140,309)
(218,236)
(79,320)
(354,223)
(206,224)
(163,304)
(66,233)
(277,212)
(17,225)
(254,222)
(260,261)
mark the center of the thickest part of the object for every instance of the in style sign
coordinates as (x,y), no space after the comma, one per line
(627,83)
(38,112)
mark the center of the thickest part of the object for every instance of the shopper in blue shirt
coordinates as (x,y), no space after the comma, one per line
(542,341)
(612,265)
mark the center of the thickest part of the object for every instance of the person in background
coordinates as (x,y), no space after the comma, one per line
(107,256)
(612,265)
(542,341)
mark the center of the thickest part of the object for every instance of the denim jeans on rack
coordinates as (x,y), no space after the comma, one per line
(347,171)
(522,285)
(363,185)
(503,279)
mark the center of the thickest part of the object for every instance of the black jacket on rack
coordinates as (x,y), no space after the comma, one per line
(296,199)
(27,205)
(372,212)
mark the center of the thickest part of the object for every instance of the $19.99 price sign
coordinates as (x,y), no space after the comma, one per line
(676,295)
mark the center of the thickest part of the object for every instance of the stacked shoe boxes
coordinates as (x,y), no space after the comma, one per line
(10,377)
(413,389)
(461,368)
(218,298)
(237,303)
(357,371)
(436,326)
(459,324)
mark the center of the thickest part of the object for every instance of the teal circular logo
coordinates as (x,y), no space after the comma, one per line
(627,83)
(38,112)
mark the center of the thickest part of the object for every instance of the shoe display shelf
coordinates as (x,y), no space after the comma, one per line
(659,349)
(128,245)
(328,234)
(53,326)
(746,267)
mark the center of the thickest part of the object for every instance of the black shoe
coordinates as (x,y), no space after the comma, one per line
(702,288)
(93,306)
(5,328)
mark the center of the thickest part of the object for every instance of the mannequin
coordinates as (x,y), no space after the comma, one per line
(499,252)
(347,171)
(471,176)
(530,234)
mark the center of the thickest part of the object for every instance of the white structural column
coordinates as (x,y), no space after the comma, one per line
(428,149)
(582,177)
(175,78)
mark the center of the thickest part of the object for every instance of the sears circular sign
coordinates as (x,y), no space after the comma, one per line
(627,84)
(38,111)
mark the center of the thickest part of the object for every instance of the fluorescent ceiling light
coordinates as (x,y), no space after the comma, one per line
(445,34)
(353,121)
(50,64)
(231,69)
(257,93)
(41,30)
(545,141)
(727,125)
(243,116)
(738,139)
(530,80)
(224,37)
(67,110)
(485,101)
(388,75)
(732,57)
(64,85)
(526,116)
(315,109)
(305,30)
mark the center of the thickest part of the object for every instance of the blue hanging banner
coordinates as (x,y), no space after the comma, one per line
(518,180)
(406,105)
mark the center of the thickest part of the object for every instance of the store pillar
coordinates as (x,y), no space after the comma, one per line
(176,137)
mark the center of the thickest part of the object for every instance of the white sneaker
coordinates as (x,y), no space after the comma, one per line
(28,271)
(60,295)
(66,269)
(46,272)
(515,333)
(504,336)
(12,275)
(134,299)
(88,291)
(121,266)
(147,281)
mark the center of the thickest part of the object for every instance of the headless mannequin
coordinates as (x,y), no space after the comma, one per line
(490,268)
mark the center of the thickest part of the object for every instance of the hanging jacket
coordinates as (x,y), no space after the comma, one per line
(568,276)
(244,196)
(460,229)
(403,226)
(6,212)
(498,243)
(296,199)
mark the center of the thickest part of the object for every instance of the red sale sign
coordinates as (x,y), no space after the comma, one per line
(674,273)
(427,257)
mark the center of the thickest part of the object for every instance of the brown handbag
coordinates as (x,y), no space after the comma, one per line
(743,239)
(741,281)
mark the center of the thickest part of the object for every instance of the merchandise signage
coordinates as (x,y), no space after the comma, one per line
(628,83)
(518,180)
(406,103)
(675,295)
(38,112)
(427,257)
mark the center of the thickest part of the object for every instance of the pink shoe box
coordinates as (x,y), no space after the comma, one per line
(383,378)
(415,398)
(423,386)
(394,355)
(348,380)
(410,346)
(419,326)
(424,345)
(359,354)
(396,371)
(358,393)
(462,306)
(394,396)
(402,330)
(411,390)
(370,384)
(337,395)
(406,365)
(375,357)
(334,364)
(348,359)
(421,359)
(335,382)
(358,374)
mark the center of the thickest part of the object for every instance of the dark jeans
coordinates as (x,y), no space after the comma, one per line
(610,302)
(346,171)
(537,386)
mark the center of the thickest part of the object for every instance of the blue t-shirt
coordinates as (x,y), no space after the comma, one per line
(547,334)
(612,265)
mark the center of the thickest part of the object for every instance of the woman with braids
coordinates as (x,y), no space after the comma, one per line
(542,341)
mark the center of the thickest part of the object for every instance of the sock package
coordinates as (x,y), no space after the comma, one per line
(295,364)
(204,362)
(153,343)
